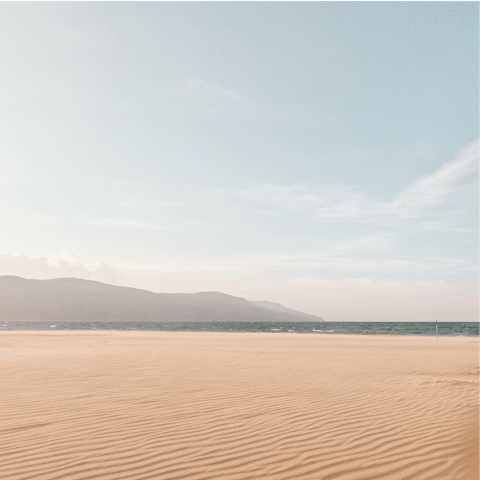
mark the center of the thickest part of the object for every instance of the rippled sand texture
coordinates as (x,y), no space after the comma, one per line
(137,405)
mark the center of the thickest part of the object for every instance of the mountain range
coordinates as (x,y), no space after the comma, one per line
(73,299)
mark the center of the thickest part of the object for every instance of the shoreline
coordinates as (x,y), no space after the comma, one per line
(313,334)
(422,329)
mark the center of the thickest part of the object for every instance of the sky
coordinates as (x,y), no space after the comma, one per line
(321,155)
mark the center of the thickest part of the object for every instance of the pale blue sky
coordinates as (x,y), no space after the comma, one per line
(295,152)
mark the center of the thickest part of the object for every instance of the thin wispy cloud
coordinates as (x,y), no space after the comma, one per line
(445,197)
(199,94)
(458,176)
(326,264)
(120,223)
(150,202)
(134,204)
(5,176)
(382,242)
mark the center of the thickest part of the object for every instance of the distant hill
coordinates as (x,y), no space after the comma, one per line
(73,299)
(276,307)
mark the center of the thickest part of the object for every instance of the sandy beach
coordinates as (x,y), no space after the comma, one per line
(140,405)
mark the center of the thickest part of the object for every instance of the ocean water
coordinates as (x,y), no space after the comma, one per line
(466,329)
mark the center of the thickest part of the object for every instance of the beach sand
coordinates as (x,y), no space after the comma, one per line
(162,405)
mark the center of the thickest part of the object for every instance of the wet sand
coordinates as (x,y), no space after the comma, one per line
(140,405)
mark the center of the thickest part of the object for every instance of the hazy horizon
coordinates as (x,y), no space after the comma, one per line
(323,155)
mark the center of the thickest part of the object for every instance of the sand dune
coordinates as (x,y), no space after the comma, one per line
(138,405)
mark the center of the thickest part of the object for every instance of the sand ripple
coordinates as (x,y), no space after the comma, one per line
(138,405)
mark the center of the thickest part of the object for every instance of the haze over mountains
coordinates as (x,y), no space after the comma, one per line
(72,299)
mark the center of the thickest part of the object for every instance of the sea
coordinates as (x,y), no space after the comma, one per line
(449,329)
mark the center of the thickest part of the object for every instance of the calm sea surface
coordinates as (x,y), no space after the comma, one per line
(469,329)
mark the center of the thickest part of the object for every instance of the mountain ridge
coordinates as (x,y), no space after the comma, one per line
(74,299)
(277,307)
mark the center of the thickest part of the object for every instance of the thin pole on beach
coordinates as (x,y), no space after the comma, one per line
(436,330)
